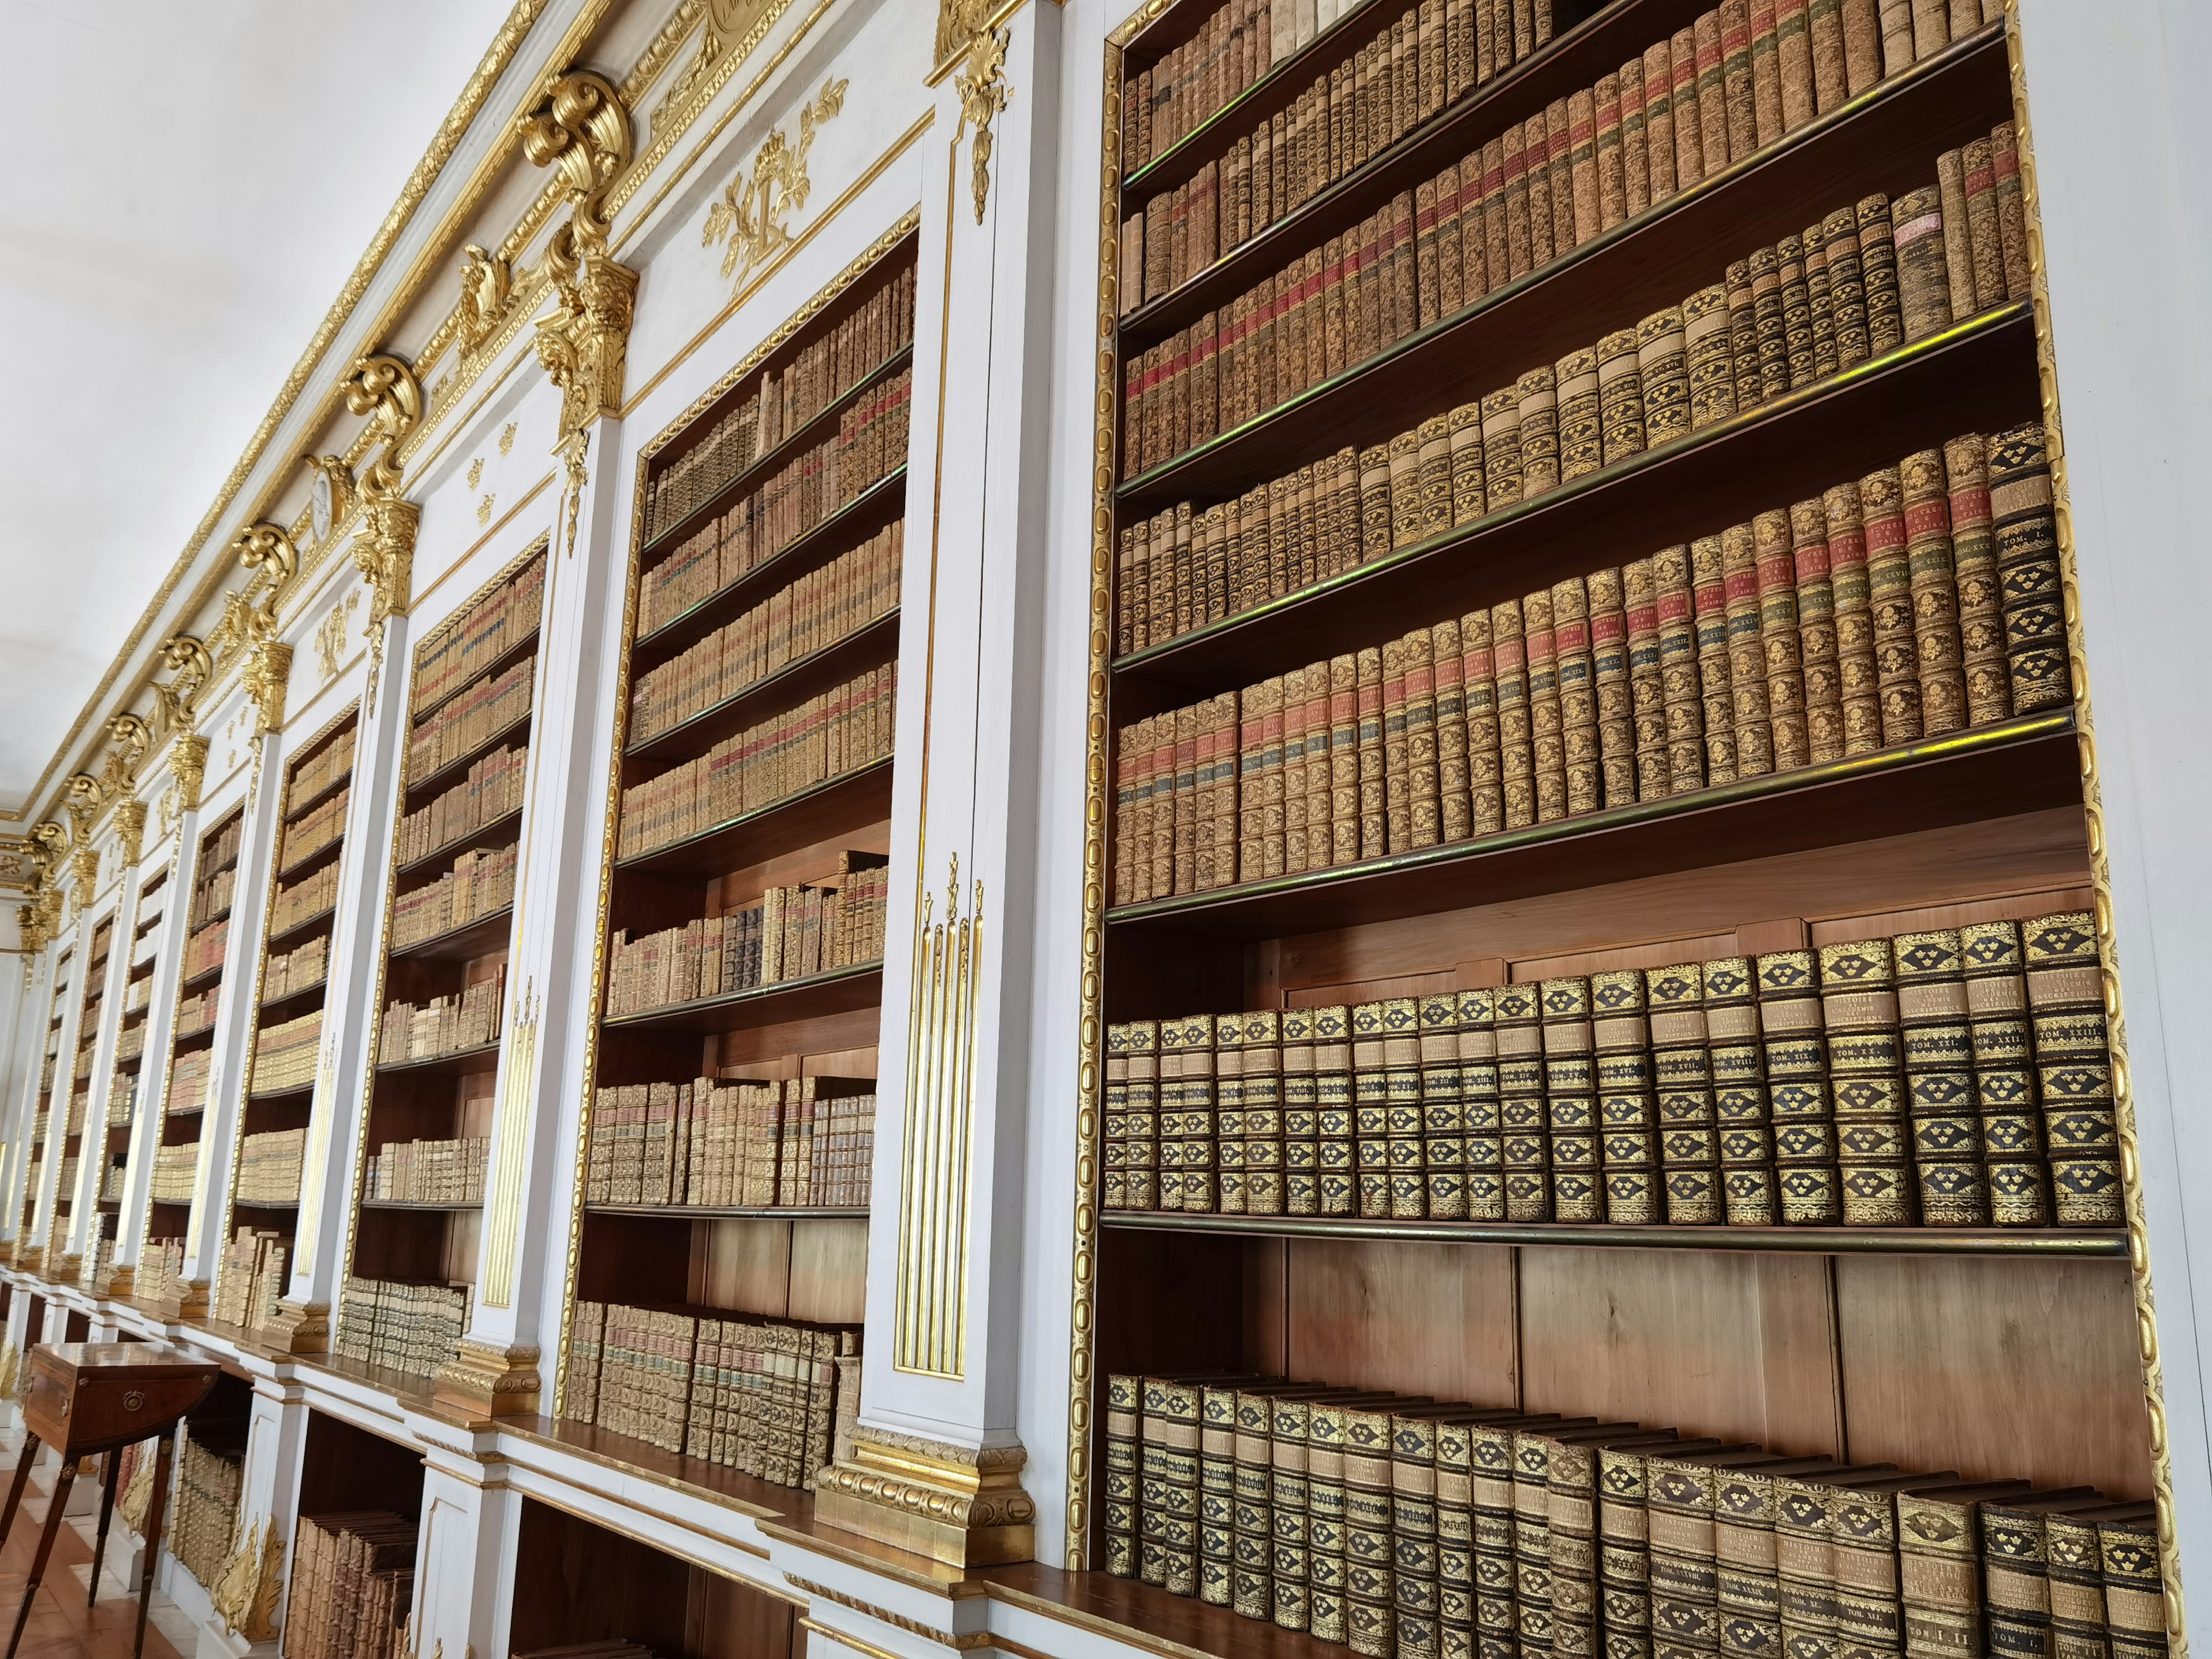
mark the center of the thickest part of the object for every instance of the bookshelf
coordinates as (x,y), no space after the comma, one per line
(262,1209)
(177,1154)
(580,1583)
(353,1550)
(82,1136)
(42,1137)
(1323,1189)
(724,1193)
(130,1072)
(411,1266)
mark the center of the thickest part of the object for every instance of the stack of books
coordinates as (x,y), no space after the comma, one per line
(174,1168)
(188,1077)
(1948,1077)
(205,1512)
(479,883)
(1405,1526)
(352,1588)
(826,736)
(312,777)
(314,829)
(1919,600)
(297,971)
(802,1142)
(762,1396)
(472,718)
(211,894)
(413,1329)
(205,950)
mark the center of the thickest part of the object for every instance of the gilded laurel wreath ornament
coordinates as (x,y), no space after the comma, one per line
(755,211)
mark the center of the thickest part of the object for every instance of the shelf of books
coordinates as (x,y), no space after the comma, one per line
(725,1192)
(185,1104)
(353,1551)
(85,1131)
(128,1074)
(411,1266)
(42,1137)
(1602,1031)
(262,1210)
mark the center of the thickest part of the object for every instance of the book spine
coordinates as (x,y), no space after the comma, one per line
(1491,1487)
(1889,594)
(1616,712)
(2029,568)
(1327,1563)
(2135,1589)
(1627,1118)
(1480,1106)
(2074,1070)
(2074,1563)
(1533,1608)
(1683,1096)
(1859,1010)
(1780,639)
(1217,1494)
(1416,1593)
(1578,726)
(1747,678)
(1455,1508)
(1795,1067)
(1816,632)
(1685,1583)
(1523,1109)
(1939,1075)
(1679,685)
(1444,1118)
(1261,1128)
(1647,684)
(1253,1543)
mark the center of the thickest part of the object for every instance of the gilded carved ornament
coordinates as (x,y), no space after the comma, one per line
(982,87)
(188,768)
(246,1595)
(729,23)
(176,705)
(487,286)
(754,211)
(386,390)
(267,677)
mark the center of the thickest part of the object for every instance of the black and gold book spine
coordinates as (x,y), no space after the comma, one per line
(1402,1123)
(1532,1543)
(1455,1620)
(1863,1557)
(1623,1532)
(2016,1571)
(1370,1111)
(1572,1509)
(1142,1159)
(1217,1494)
(1570,1092)
(2135,1591)
(1939,1079)
(1301,1116)
(1253,1543)
(2074,1068)
(2033,603)
(1858,1001)
(1521,1108)
(1689,1138)
(2074,1563)
(1490,1457)
(1206,1172)
(1261,1128)
(1995,966)
(1746,1583)
(1938,1538)
(1178,1483)
(1120,1492)
(1629,1137)
(1742,1114)
(1174,1143)
(1805,1564)
(1325,1559)
(1336,1162)
(1480,1106)
(1289,1509)
(1415,1591)
(1225,1079)
(1685,1580)
(1444,1114)
(1114,1124)
(1155,1504)
(1369,1595)
(1797,1088)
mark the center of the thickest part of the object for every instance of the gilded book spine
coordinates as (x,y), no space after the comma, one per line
(1481,1106)
(1416,1592)
(1684,1584)
(1217,1494)
(1120,1492)
(2134,1590)
(1532,1543)
(1627,1126)
(1370,1592)
(1290,1504)
(1939,1077)
(1371,1109)
(2074,1068)
(1571,1089)
(1444,1112)
(1521,1105)
(1816,632)
(1456,1606)
(1252,1542)
(1689,1140)
(1547,738)
(1981,594)
(1797,1090)
(1616,714)
(1678,670)
(1935,592)
(1708,593)
(2005,1097)
(1624,1556)
(1498,1632)
(1747,684)
(1301,1095)
(1403,1127)
(1647,687)
(1778,636)
(1742,1110)
(1858,995)
(1336,1165)
(2028,568)
(1143,1119)
(1262,1129)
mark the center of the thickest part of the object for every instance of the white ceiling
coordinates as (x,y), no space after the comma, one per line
(188,186)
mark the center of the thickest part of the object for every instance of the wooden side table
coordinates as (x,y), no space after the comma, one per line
(88,1397)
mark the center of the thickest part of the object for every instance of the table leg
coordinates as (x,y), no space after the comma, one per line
(154,1508)
(60,1501)
(16,1490)
(107,1510)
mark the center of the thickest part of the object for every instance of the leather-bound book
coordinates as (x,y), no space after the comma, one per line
(1480,1106)
(1141,1038)
(2074,1555)
(1748,678)
(1939,1079)
(1981,595)
(2074,1069)
(1678,683)
(1336,1163)
(1627,1115)
(1444,1112)
(1995,966)
(1796,1068)
(2029,568)
(1710,355)
(1688,1137)
(1646,683)
(1582,442)
(1797,310)
(1938,1541)
(1779,638)
(1709,596)
(1301,1097)
(1517,764)
(1816,632)
(1935,592)
(1663,371)
(1889,594)
(1371,1109)
(1119,1484)
(1402,1124)
(1369,1595)
(2012,211)
(1262,1126)
(1958,227)
(1616,709)
(1578,724)
(1217,1493)
(2015,1573)
(1821,295)
(2135,1587)
(1571,1092)
(1866,1081)
(1478,689)
(1522,1106)
(1878,269)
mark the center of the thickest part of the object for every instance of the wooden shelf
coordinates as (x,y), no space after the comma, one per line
(872,642)
(453,771)
(480,937)
(866,512)
(205,976)
(797,820)
(730,1212)
(1977,375)
(300,931)
(262,1096)
(1144,1617)
(265,1204)
(294,999)
(506,825)
(801,439)
(421,1205)
(514,654)
(2021,765)
(717,1482)
(462,1063)
(840,991)
(2033,1242)
(314,860)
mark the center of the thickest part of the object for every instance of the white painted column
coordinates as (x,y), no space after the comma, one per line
(160,1034)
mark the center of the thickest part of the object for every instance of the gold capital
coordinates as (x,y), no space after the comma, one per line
(963,1505)
(490,1380)
(188,765)
(267,678)
(582,130)
(130,829)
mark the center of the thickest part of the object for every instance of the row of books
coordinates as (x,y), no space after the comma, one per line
(99,1260)
(212,896)
(413,1329)
(311,895)
(1946,1078)
(284,1054)
(204,950)
(203,1516)
(820,373)
(818,610)
(792,932)
(428,1172)
(802,1142)
(443,1025)
(460,651)
(122,1099)
(1920,600)
(782,509)
(297,971)
(270,1165)
(188,1080)
(1859,282)
(837,732)
(351,1594)
(129,1043)
(764,1397)
(218,851)
(479,884)
(71,1167)
(318,771)
(196,1012)
(250,1279)
(1408,70)
(175,1168)
(112,1177)
(492,789)
(139,996)
(314,829)
(1410,1528)
(472,718)
(161,1264)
